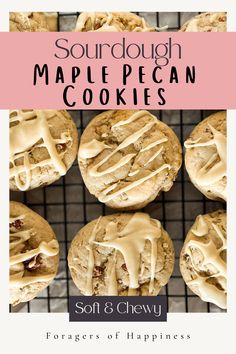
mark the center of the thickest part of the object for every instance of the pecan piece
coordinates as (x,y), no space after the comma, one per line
(37,263)
(61,147)
(124,267)
(97,25)
(17,224)
(97,271)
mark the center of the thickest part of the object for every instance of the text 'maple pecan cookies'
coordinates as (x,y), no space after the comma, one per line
(34,253)
(112,22)
(203,258)
(43,146)
(205,156)
(33,21)
(128,157)
(121,254)
(206,22)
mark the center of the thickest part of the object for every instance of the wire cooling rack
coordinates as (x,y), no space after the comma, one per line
(68,206)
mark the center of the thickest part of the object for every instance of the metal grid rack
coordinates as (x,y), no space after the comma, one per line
(68,206)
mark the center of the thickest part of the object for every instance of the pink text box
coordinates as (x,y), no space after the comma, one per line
(211,54)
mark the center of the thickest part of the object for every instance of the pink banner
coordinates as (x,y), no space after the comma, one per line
(118,70)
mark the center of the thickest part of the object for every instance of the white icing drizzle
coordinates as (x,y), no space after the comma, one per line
(47,248)
(130,242)
(208,175)
(33,126)
(211,255)
(20,237)
(132,118)
(201,228)
(112,288)
(151,145)
(154,156)
(123,161)
(133,173)
(94,147)
(106,23)
(93,171)
(18,278)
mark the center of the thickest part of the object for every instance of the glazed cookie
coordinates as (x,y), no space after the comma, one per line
(52,21)
(205,157)
(128,157)
(43,146)
(111,22)
(34,253)
(33,21)
(206,22)
(121,254)
(203,258)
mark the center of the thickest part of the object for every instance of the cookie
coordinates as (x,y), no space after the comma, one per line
(34,253)
(206,22)
(33,21)
(43,146)
(121,254)
(52,21)
(128,157)
(205,156)
(203,258)
(112,22)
